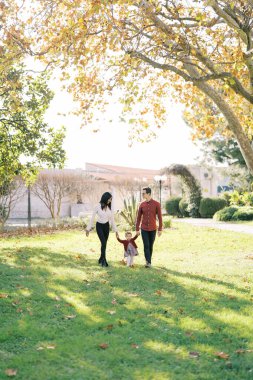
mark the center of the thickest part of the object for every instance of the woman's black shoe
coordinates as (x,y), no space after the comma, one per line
(104,263)
(100,260)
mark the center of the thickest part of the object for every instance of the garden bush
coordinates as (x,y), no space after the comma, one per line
(247,198)
(243,213)
(226,195)
(167,221)
(172,206)
(183,206)
(209,206)
(225,214)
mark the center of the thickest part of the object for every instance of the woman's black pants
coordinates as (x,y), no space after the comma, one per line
(103,234)
(148,238)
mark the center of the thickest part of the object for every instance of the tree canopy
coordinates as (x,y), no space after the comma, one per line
(199,52)
(26,141)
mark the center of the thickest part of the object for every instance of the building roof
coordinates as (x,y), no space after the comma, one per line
(114,172)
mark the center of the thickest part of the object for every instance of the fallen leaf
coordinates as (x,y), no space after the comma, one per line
(114,301)
(40,348)
(221,355)
(194,354)
(158,292)
(206,299)
(188,333)
(134,345)
(57,298)
(232,297)
(78,257)
(11,372)
(4,295)
(19,310)
(15,303)
(70,316)
(111,312)
(181,310)
(240,351)
(109,327)
(104,346)
(51,347)
(92,250)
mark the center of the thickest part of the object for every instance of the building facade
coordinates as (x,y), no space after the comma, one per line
(120,181)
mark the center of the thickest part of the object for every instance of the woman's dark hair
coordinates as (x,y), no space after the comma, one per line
(104,199)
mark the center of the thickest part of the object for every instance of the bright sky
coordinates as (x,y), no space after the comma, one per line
(110,144)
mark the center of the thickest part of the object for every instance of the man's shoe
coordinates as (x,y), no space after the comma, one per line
(148,265)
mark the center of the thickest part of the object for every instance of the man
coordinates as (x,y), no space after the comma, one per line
(148,210)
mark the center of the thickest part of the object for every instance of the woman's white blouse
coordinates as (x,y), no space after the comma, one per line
(103,216)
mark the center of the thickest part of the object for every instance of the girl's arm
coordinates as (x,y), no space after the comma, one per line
(120,240)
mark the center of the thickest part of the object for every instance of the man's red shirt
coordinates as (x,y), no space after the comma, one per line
(148,210)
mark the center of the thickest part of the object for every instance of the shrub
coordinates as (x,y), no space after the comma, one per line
(243,213)
(167,222)
(209,206)
(172,206)
(236,198)
(130,211)
(226,195)
(225,214)
(247,199)
(183,207)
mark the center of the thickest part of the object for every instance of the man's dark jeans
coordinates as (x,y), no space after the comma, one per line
(148,238)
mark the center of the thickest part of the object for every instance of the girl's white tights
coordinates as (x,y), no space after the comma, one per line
(130,260)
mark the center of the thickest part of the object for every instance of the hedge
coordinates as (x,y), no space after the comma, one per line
(183,205)
(225,214)
(209,206)
(172,206)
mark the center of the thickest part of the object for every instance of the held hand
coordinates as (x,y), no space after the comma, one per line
(159,233)
(87,233)
(138,233)
(117,234)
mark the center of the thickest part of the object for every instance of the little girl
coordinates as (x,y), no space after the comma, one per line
(130,247)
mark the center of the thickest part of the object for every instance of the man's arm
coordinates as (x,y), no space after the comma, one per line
(138,220)
(160,219)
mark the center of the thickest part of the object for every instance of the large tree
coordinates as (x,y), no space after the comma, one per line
(199,51)
(26,141)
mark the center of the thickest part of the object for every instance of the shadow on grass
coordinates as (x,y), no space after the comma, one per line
(60,309)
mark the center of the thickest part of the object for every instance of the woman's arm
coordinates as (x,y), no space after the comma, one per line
(113,222)
(89,227)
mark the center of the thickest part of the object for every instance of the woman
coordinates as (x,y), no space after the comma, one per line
(104,216)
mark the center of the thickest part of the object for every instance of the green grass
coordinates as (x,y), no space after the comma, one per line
(61,306)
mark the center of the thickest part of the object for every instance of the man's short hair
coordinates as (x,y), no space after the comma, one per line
(147,190)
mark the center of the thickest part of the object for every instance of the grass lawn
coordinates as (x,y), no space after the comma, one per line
(189,317)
